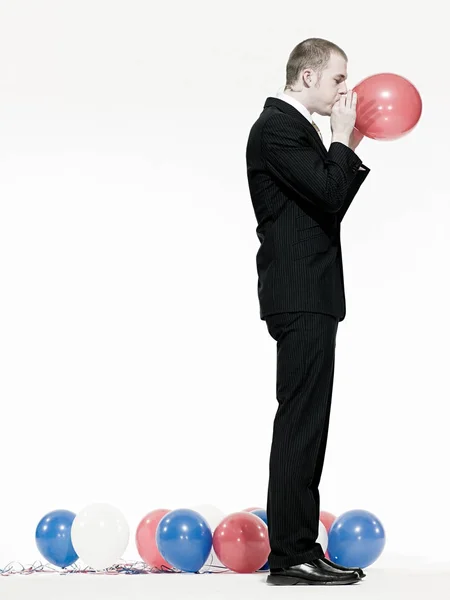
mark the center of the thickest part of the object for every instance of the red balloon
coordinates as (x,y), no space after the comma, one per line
(146,539)
(241,542)
(389,106)
(327,519)
(252,508)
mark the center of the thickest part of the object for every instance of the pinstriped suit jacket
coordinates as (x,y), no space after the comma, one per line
(300,193)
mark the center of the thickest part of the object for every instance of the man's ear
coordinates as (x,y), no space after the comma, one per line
(306,77)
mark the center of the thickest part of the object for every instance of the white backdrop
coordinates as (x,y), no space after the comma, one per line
(134,367)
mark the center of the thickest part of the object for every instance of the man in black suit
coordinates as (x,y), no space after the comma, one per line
(300,193)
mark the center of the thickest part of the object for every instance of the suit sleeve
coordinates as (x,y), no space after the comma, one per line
(290,157)
(353,190)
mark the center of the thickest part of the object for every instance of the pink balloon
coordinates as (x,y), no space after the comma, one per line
(146,539)
(389,106)
(241,542)
(252,508)
(327,519)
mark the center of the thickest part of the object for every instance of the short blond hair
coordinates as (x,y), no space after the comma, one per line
(314,53)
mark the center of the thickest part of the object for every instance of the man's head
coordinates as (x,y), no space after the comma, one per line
(315,74)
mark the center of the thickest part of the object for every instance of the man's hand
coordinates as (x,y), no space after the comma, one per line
(343,117)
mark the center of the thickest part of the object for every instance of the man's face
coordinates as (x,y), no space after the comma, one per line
(327,89)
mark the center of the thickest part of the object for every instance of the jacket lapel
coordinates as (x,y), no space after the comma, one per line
(293,112)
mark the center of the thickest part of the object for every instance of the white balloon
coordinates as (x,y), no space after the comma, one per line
(322,538)
(100,535)
(213,516)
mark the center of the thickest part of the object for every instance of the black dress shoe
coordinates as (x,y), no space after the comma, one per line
(341,568)
(313,572)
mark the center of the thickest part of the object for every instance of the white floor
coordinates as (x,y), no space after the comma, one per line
(410,580)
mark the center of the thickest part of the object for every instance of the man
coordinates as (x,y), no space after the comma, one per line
(300,193)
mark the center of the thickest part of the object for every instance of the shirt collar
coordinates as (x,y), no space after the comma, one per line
(295,103)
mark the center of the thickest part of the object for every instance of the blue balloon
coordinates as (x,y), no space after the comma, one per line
(356,539)
(262,514)
(184,539)
(53,538)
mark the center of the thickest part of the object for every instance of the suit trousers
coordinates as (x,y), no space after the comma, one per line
(306,345)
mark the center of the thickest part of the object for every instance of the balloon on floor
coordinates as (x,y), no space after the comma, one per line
(356,539)
(100,535)
(145,539)
(213,516)
(389,106)
(184,539)
(241,542)
(53,538)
